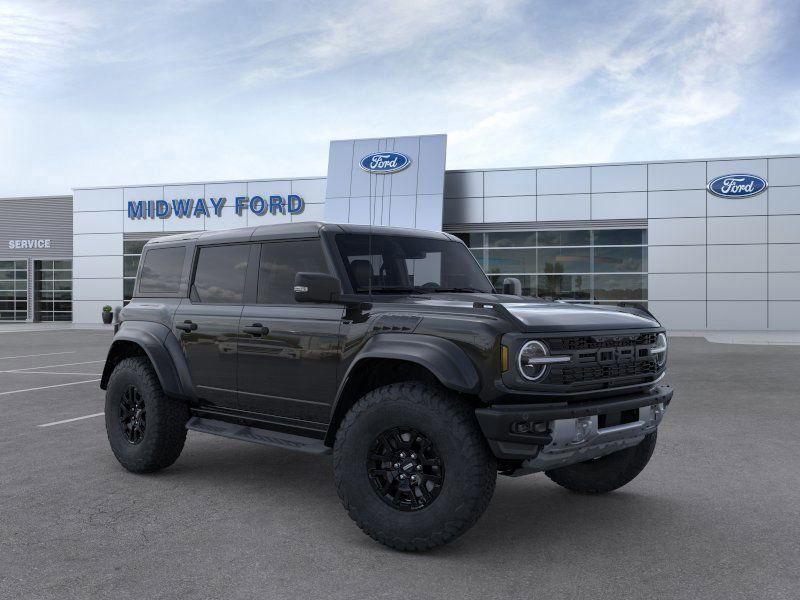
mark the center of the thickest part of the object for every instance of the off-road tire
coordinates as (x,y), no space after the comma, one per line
(165,428)
(606,473)
(470,469)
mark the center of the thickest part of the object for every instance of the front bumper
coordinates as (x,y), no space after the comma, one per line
(567,433)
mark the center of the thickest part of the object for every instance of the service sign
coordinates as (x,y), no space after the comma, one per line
(384,163)
(28,244)
(192,208)
(738,185)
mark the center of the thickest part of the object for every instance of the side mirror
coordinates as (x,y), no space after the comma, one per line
(317,287)
(512,286)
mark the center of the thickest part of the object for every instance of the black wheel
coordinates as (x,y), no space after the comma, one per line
(146,429)
(412,467)
(606,473)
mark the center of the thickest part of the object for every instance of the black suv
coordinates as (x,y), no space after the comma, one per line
(391,349)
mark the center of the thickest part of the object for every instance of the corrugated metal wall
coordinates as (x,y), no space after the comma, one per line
(36,219)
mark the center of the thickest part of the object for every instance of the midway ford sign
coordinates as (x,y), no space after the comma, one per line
(384,163)
(187,208)
(737,185)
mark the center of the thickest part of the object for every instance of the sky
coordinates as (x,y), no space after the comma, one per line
(105,93)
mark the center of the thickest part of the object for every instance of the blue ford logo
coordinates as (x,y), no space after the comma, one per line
(384,163)
(736,186)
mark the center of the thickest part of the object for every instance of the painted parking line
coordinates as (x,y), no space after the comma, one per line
(88,362)
(37,355)
(47,387)
(51,373)
(71,420)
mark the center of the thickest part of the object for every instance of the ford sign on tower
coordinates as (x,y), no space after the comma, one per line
(385,163)
(737,186)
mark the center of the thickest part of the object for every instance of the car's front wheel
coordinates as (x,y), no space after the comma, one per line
(411,466)
(145,428)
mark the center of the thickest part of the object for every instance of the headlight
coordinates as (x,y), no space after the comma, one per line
(534,358)
(660,349)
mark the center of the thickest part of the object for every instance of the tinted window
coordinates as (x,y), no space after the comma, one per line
(161,270)
(220,273)
(280,262)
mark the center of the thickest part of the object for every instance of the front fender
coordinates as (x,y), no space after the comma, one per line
(162,348)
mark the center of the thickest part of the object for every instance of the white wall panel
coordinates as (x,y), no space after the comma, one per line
(432,156)
(100,199)
(737,258)
(619,178)
(312,212)
(737,286)
(682,286)
(784,229)
(281,187)
(564,207)
(784,171)
(722,207)
(674,232)
(96,266)
(676,259)
(509,209)
(429,212)
(677,176)
(360,210)
(678,203)
(340,159)
(184,192)
(361,182)
(337,210)
(737,230)
(784,286)
(403,211)
(466,184)
(784,315)
(757,166)
(97,222)
(510,183)
(97,289)
(404,182)
(230,220)
(97,244)
(621,205)
(143,225)
(88,311)
(784,257)
(679,314)
(567,180)
(784,200)
(463,210)
(737,316)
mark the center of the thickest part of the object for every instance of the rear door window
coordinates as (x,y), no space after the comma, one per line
(161,270)
(220,274)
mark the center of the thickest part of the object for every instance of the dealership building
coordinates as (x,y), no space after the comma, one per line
(705,245)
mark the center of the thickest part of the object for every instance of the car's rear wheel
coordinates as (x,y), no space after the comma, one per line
(411,466)
(606,473)
(145,428)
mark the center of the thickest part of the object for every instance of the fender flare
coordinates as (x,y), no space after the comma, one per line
(165,354)
(448,363)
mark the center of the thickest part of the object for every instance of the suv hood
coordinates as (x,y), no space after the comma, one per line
(542,315)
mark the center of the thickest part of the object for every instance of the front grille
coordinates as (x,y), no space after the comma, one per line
(603,361)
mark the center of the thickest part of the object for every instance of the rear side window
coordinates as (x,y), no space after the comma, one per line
(220,274)
(280,262)
(161,270)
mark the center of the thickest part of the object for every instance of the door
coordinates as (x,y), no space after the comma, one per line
(289,352)
(207,322)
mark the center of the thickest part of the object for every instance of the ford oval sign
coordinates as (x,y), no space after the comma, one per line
(384,163)
(736,186)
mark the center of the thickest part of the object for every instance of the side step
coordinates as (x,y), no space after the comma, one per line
(259,436)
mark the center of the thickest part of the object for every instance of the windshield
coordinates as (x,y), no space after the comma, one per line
(400,264)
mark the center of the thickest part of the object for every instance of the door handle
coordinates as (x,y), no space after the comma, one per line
(256,329)
(186,326)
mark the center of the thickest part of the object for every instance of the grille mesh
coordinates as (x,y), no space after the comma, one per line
(597,342)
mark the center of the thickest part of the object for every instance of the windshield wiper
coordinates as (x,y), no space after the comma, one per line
(462,290)
(391,289)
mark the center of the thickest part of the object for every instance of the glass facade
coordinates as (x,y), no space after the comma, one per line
(131,253)
(53,290)
(606,266)
(13,290)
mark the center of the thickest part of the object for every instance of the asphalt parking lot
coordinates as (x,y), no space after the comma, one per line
(715,515)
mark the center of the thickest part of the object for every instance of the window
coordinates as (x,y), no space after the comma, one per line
(385,263)
(161,270)
(280,262)
(220,274)
(582,265)
(53,290)
(13,290)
